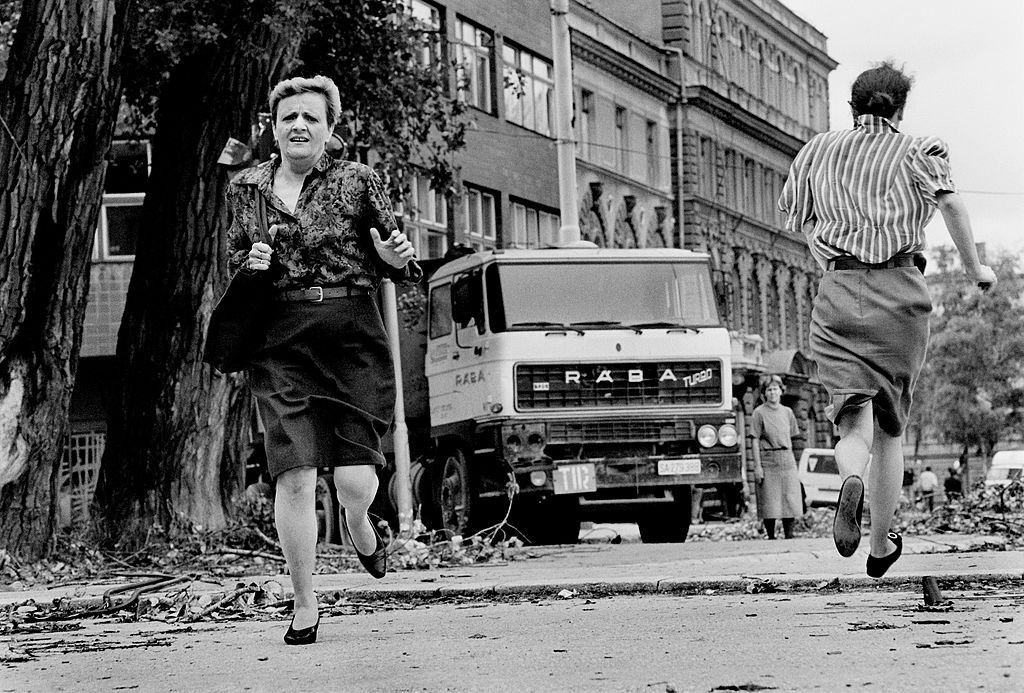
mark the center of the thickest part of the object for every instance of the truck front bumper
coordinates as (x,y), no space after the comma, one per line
(625,479)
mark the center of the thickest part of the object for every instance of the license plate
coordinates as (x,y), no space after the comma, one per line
(673,467)
(575,478)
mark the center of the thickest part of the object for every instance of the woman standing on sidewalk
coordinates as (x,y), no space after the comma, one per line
(774,426)
(862,198)
(324,380)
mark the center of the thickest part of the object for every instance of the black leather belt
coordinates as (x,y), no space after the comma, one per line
(846,262)
(316,294)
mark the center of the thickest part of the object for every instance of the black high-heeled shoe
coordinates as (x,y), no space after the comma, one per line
(376,563)
(302,636)
(877,566)
(849,511)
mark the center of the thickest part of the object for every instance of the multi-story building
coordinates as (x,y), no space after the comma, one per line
(687,114)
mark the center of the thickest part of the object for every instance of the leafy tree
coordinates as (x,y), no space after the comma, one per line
(972,391)
(167,458)
(58,106)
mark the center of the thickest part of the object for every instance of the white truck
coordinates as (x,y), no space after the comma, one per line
(574,383)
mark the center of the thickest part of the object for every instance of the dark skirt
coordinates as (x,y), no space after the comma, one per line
(869,334)
(324,384)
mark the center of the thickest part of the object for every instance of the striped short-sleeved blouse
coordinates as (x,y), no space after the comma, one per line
(869,191)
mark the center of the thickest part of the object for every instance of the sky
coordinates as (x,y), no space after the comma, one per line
(967,60)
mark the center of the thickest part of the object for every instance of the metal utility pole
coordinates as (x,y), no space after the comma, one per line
(403,485)
(565,141)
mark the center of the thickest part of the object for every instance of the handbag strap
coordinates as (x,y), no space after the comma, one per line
(262,234)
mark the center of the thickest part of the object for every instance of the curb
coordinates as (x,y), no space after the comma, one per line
(679,587)
(608,588)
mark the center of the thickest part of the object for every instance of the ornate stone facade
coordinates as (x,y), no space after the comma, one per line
(755,89)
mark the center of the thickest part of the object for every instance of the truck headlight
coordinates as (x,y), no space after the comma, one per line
(727,435)
(707,436)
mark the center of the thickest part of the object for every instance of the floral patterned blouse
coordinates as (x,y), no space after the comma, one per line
(326,241)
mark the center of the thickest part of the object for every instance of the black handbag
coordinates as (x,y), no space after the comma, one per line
(237,328)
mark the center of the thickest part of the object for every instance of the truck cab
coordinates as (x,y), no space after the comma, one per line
(570,384)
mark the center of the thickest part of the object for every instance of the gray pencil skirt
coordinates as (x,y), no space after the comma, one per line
(324,384)
(869,334)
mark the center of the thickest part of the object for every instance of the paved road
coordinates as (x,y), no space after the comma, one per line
(800,641)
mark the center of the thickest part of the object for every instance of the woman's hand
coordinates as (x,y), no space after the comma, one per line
(985,277)
(759,474)
(396,250)
(259,257)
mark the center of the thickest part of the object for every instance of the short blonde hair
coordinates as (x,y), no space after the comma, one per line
(319,84)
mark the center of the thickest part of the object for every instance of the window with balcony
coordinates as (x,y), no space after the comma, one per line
(529,89)
(533,226)
(480,218)
(473,47)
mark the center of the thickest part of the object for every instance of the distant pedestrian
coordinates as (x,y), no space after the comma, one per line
(773,426)
(862,198)
(928,483)
(952,486)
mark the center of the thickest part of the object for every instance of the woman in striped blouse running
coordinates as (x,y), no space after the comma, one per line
(862,198)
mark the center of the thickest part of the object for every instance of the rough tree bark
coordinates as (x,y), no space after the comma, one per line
(165,461)
(58,104)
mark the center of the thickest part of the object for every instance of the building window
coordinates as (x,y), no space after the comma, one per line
(621,140)
(534,226)
(587,122)
(653,161)
(481,218)
(426,218)
(128,164)
(473,56)
(529,88)
(428,18)
(118,231)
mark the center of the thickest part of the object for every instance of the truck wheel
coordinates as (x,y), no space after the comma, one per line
(326,512)
(453,493)
(667,523)
(553,520)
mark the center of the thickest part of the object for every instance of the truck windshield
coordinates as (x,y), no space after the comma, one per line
(596,296)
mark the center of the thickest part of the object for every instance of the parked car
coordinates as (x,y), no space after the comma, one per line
(1007,467)
(819,477)
(820,480)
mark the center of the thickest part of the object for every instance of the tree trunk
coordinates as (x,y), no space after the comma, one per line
(165,456)
(58,104)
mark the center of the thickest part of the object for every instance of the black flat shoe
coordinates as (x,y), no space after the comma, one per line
(303,636)
(878,566)
(849,510)
(376,564)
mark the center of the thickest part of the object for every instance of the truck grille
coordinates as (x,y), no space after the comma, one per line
(617,431)
(606,385)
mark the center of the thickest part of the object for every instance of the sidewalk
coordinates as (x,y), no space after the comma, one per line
(603,569)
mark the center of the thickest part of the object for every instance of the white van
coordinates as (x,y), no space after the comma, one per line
(1006,468)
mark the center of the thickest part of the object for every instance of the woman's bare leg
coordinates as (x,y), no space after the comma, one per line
(856,436)
(884,484)
(295,517)
(357,487)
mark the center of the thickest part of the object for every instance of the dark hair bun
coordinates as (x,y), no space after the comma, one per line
(880,91)
(879,100)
